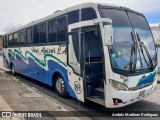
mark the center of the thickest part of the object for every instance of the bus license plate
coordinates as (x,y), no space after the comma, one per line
(142,93)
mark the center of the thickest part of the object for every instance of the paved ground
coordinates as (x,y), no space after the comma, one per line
(20,93)
(151,103)
(18,96)
(1,64)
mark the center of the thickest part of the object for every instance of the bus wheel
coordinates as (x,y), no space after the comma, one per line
(13,69)
(60,87)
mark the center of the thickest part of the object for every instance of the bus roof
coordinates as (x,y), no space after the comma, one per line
(61,12)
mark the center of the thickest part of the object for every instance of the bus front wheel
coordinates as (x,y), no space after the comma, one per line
(60,87)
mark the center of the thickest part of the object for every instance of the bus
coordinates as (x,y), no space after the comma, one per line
(92,51)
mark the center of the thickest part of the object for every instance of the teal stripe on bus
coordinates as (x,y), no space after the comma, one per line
(36,59)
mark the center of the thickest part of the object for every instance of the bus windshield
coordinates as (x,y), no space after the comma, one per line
(128,52)
(141,27)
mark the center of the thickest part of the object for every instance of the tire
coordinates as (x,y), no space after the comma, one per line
(13,69)
(60,87)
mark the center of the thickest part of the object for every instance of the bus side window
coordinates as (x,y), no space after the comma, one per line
(5,42)
(36,34)
(73,17)
(88,14)
(52,31)
(22,36)
(29,36)
(42,33)
(10,40)
(74,52)
(15,39)
(61,29)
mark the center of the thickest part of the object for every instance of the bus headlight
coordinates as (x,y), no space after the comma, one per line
(118,85)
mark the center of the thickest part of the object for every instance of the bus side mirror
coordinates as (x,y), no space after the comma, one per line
(108,35)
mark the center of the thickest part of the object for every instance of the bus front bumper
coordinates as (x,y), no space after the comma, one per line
(123,98)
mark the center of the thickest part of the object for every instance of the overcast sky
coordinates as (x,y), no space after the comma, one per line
(14,13)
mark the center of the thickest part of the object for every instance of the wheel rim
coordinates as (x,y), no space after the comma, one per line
(60,85)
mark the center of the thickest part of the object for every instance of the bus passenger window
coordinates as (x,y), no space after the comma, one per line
(29,36)
(74,53)
(36,34)
(43,33)
(5,42)
(61,29)
(88,14)
(52,31)
(73,17)
(10,41)
(22,36)
(15,39)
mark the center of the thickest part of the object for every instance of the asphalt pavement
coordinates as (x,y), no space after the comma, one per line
(150,103)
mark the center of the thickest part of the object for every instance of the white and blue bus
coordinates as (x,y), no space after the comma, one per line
(97,52)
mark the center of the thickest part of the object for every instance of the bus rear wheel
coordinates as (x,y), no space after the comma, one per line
(13,69)
(60,87)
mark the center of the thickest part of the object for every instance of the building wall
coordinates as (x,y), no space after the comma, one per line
(156,32)
(0,42)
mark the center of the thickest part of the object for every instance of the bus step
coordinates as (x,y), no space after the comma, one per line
(96,99)
(99,92)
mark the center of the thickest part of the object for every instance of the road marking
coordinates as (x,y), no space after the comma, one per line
(5,107)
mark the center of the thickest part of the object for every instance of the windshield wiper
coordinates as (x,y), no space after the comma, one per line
(133,56)
(148,55)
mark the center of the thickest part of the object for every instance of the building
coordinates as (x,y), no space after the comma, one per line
(156,32)
(1,42)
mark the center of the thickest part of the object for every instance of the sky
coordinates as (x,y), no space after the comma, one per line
(15,13)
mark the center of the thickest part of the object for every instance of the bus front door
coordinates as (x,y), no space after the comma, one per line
(93,64)
(75,79)
(85,61)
